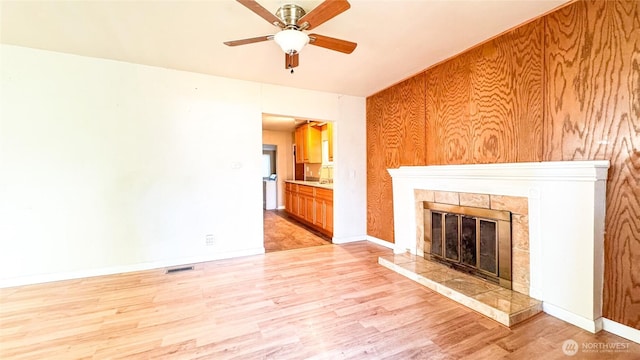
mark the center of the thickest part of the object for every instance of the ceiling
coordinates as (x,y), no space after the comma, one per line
(396,38)
(280,123)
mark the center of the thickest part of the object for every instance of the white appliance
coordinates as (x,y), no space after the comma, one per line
(269,193)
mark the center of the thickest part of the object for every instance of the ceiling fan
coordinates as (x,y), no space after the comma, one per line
(293,20)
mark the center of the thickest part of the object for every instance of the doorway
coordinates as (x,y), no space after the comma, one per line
(269,176)
(281,230)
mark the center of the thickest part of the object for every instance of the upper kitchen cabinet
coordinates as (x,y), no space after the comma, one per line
(330,140)
(327,143)
(308,144)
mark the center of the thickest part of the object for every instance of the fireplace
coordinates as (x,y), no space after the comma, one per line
(564,255)
(470,239)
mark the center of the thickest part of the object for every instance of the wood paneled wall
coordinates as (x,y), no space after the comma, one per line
(485,105)
(564,87)
(395,137)
(592,112)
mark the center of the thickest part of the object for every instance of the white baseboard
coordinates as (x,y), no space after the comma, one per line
(621,330)
(592,326)
(281,207)
(348,239)
(380,242)
(44,278)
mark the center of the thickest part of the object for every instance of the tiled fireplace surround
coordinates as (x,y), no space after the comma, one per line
(557,231)
(518,206)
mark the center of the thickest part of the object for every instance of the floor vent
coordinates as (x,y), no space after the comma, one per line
(175,270)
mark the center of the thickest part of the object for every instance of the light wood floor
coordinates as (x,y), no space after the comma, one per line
(323,302)
(282,232)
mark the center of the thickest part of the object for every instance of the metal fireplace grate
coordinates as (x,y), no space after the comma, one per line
(473,240)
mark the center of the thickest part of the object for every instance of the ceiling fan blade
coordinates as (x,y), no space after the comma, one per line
(323,12)
(248,41)
(291,61)
(262,12)
(326,42)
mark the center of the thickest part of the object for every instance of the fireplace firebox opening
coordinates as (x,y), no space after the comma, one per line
(469,239)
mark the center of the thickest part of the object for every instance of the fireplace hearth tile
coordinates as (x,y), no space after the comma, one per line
(505,306)
(421,266)
(441,276)
(468,285)
(507,301)
(401,258)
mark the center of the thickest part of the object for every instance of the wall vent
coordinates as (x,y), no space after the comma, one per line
(179,269)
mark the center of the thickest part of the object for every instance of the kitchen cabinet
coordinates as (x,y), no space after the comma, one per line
(302,206)
(324,209)
(299,146)
(311,205)
(306,194)
(330,141)
(288,197)
(308,139)
(291,203)
(328,224)
(319,210)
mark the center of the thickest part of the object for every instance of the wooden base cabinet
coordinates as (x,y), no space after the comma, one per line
(311,205)
(288,197)
(328,223)
(324,209)
(291,199)
(319,209)
(306,196)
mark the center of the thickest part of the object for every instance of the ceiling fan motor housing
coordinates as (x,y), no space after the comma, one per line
(290,14)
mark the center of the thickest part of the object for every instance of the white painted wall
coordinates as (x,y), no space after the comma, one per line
(108,166)
(350,171)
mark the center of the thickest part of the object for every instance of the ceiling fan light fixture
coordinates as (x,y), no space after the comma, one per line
(291,41)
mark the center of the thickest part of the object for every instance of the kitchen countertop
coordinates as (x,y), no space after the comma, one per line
(311,183)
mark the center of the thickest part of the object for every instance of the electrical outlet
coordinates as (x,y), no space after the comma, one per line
(210,240)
